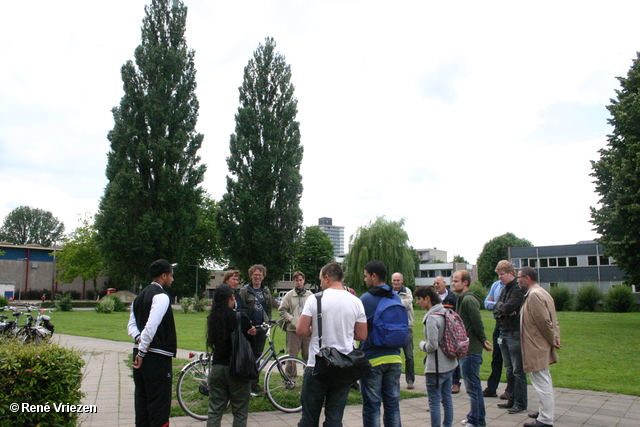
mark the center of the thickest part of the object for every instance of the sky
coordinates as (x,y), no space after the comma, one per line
(467,119)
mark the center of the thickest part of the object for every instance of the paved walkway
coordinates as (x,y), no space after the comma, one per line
(108,385)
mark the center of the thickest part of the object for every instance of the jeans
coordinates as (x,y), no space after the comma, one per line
(314,393)
(409,370)
(381,384)
(512,358)
(471,374)
(496,363)
(440,393)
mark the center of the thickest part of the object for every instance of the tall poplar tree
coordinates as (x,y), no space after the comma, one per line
(382,240)
(149,209)
(617,178)
(260,214)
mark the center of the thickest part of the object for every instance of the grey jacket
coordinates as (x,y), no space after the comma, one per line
(433,334)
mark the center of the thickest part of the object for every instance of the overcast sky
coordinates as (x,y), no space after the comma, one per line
(469,119)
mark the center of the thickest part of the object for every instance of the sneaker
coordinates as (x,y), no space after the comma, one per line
(505,396)
(466,422)
(455,389)
(254,394)
(255,388)
(489,393)
(410,386)
(517,410)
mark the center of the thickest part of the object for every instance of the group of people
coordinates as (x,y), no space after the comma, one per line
(525,339)
(526,333)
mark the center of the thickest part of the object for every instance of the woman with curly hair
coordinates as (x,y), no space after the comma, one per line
(223,388)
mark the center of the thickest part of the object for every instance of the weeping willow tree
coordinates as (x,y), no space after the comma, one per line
(386,241)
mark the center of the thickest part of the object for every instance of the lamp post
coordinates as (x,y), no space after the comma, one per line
(53,273)
(197,268)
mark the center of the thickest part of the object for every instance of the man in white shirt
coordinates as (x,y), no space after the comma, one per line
(153,331)
(343,320)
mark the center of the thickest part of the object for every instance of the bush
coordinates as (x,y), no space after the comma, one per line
(588,298)
(561,297)
(479,290)
(109,304)
(46,374)
(3,302)
(63,303)
(185,303)
(620,299)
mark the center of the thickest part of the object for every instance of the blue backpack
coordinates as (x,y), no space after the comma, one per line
(390,323)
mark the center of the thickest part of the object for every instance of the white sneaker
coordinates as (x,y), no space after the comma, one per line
(466,422)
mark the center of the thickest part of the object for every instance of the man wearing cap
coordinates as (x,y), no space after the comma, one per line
(153,330)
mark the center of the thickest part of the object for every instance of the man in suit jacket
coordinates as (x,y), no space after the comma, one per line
(539,337)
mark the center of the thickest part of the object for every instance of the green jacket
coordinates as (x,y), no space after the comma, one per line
(468,307)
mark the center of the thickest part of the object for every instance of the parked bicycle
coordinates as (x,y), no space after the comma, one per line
(282,380)
(34,330)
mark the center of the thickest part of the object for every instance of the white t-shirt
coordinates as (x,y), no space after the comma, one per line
(340,313)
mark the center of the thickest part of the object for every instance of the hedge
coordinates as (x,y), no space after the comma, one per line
(46,375)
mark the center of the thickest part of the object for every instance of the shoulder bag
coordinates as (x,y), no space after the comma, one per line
(243,361)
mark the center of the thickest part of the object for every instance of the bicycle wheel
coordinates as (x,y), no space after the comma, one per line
(192,389)
(283,383)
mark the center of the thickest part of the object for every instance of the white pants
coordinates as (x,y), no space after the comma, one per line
(543,384)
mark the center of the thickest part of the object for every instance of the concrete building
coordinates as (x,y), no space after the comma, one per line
(431,255)
(428,272)
(570,265)
(31,268)
(335,233)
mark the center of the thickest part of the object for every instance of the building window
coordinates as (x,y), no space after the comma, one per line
(525,262)
(533,263)
(562,262)
(573,261)
(553,262)
(553,284)
(544,263)
(446,273)
(592,260)
(604,260)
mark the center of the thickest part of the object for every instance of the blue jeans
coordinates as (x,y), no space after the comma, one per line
(471,374)
(440,393)
(314,394)
(381,384)
(512,359)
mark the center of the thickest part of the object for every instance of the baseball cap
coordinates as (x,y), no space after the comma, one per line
(161,266)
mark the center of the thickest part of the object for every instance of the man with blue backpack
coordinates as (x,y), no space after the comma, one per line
(387,322)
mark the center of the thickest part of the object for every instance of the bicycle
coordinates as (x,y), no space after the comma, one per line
(282,380)
(36,330)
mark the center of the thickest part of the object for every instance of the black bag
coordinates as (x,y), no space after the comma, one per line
(335,367)
(243,361)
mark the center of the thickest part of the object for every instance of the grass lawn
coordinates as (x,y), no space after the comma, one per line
(599,348)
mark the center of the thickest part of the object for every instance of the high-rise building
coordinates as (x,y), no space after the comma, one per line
(335,233)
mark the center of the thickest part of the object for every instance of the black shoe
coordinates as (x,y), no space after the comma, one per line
(256,389)
(505,396)
(537,423)
(489,393)
(517,410)
(506,405)
(533,414)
